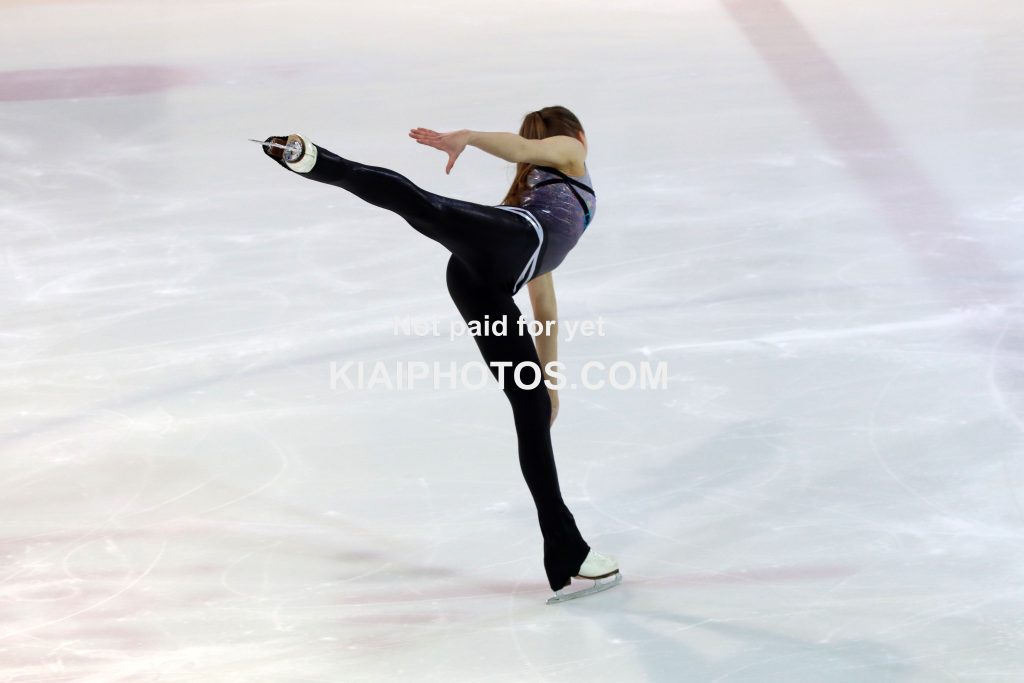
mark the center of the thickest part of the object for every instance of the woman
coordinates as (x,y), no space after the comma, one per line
(495,251)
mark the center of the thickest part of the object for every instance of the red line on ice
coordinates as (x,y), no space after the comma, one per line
(915,210)
(94,81)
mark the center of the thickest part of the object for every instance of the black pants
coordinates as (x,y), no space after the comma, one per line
(489,248)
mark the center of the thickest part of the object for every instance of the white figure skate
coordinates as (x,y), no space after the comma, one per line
(294,152)
(601,569)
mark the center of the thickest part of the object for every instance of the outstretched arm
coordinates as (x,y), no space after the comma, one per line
(559,151)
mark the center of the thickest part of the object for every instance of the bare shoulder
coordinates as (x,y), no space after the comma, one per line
(576,165)
(577,170)
(563,152)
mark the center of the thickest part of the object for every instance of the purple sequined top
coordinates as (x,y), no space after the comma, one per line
(559,212)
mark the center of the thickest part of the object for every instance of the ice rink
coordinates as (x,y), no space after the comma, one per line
(810,211)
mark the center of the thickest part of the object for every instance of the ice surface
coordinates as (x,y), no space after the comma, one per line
(811,212)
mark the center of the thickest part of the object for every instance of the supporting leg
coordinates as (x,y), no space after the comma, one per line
(564,547)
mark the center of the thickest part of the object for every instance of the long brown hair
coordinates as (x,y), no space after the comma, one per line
(537,125)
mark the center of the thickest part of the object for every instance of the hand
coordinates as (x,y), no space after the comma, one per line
(554,405)
(453,142)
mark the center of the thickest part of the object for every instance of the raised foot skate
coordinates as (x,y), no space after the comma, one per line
(282,148)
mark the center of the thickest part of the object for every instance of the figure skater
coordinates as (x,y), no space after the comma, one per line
(495,250)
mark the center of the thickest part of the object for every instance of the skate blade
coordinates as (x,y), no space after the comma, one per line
(268,144)
(292,151)
(598,587)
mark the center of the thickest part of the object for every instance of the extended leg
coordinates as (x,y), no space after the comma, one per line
(494,243)
(564,547)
